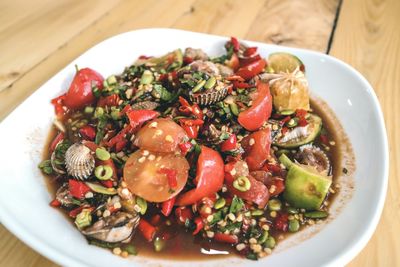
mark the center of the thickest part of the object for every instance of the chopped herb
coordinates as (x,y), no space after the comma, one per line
(236,205)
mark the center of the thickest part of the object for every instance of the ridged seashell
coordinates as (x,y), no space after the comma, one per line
(314,156)
(79,161)
(208,98)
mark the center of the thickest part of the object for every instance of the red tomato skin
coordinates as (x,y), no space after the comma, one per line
(257,153)
(80,91)
(110,101)
(252,69)
(209,177)
(255,116)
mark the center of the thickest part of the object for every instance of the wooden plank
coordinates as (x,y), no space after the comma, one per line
(43,29)
(306,24)
(368,37)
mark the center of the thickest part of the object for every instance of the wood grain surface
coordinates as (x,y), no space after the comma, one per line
(39,38)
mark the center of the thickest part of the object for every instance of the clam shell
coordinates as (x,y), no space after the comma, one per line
(79,161)
(208,98)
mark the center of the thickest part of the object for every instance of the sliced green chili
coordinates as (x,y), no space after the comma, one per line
(103,172)
(142,204)
(242,183)
(102,154)
(316,214)
(198,86)
(220,203)
(210,83)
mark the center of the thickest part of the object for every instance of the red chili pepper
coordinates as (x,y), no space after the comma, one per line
(55,203)
(125,110)
(120,145)
(148,231)
(88,132)
(225,238)
(107,183)
(120,137)
(167,206)
(199,225)
(249,71)
(324,139)
(190,109)
(183,214)
(77,189)
(191,127)
(58,104)
(155,220)
(191,131)
(285,120)
(229,144)
(138,117)
(191,122)
(109,101)
(235,43)
(171,176)
(235,78)
(187,60)
(185,147)
(73,213)
(281,222)
(250,51)
(56,140)
(239,84)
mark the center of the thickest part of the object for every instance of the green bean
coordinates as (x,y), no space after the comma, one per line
(220,203)
(294,225)
(318,214)
(257,212)
(210,83)
(274,204)
(263,237)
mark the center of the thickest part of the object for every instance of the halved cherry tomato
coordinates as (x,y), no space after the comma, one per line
(257,146)
(80,91)
(209,177)
(138,117)
(109,101)
(255,116)
(160,135)
(143,177)
(250,70)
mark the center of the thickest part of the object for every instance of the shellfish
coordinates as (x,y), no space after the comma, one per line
(315,157)
(208,98)
(79,161)
(118,227)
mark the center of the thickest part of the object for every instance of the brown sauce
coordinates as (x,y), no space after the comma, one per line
(183,246)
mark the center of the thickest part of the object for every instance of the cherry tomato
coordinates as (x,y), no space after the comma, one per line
(257,146)
(160,135)
(209,177)
(80,91)
(250,70)
(143,177)
(255,116)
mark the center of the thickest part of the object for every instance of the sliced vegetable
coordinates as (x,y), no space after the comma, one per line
(255,116)
(257,146)
(143,175)
(77,189)
(83,219)
(252,69)
(146,229)
(101,189)
(284,62)
(300,135)
(305,188)
(209,177)
(80,92)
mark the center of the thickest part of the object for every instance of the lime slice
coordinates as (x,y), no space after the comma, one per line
(284,62)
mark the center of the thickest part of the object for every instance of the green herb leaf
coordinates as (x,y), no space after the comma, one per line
(162,92)
(236,205)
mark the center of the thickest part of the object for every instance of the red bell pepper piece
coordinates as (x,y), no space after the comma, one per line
(59,137)
(171,176)
(199,225)
(255,116)
(209,177)
(183,214)
(58,104)
(138,117)
(148,231)
(250,70)
(167,206)
(229,144)
(77,189)
(88,132)
(55,203)
(226,238)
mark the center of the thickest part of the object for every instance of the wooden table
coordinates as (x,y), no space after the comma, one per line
(38,38)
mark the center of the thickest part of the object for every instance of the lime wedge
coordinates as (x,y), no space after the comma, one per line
(284,62)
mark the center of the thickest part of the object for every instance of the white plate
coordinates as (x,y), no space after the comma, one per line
(24,199)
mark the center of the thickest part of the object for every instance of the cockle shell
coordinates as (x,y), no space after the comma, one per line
(211,97)
(79,161)
(118,227)
(315,157)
